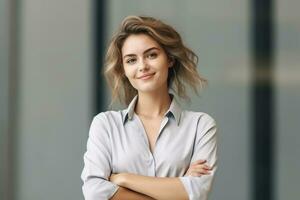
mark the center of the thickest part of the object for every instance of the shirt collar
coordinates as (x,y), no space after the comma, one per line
(174,109)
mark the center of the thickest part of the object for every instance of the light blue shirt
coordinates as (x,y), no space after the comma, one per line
(118,143)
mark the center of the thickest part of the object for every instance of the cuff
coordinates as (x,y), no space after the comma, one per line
(194,188)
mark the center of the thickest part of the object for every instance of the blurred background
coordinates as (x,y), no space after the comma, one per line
(51,56)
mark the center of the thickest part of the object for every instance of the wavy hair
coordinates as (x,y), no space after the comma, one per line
(184,71)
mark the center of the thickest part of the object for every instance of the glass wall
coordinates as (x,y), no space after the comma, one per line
(54,98)
(54,85)
(287,99)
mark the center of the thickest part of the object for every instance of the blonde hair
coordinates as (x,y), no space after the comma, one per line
(184,70)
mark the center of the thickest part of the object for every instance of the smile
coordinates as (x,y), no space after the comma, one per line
(146,76)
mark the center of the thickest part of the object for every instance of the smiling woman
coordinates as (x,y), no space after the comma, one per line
(153,147)
(184,61)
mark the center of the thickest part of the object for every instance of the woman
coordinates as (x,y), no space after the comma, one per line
(153,149)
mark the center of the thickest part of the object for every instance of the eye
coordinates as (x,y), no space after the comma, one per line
(131,61)
(152,55)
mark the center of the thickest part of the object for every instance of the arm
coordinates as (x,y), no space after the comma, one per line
(205,148)
(97,168)
(97,159)
(198,168)
(187,187)
(155,187)
(124,194)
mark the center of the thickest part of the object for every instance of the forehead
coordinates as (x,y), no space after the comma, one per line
(138,43)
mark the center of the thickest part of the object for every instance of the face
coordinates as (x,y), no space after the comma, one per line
(145,63)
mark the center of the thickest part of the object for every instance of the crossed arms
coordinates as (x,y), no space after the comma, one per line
(100,184)
(145,188)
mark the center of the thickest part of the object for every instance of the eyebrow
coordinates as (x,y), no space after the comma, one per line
(130,55)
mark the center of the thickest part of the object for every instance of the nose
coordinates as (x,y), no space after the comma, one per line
(143,65)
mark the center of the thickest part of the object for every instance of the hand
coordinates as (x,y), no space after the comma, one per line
(198,168)
(118,179)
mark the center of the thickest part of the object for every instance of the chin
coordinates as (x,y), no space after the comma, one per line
(149,87)
(146,90)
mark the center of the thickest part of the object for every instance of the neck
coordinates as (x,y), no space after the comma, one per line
(153,105)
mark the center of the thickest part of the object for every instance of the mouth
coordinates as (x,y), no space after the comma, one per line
(146,76)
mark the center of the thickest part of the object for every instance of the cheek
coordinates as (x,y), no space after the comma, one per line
(128,72)
(166,69)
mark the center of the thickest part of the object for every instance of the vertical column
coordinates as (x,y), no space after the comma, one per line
(262,94)
(98,39)
(4,89)
(9,56)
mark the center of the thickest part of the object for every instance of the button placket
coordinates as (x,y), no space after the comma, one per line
(152,169)
(150,160)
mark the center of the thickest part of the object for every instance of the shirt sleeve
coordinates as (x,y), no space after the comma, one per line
(97,162)
(205,147)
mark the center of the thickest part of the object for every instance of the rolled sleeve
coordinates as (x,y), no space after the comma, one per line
(198,188)
(97,162)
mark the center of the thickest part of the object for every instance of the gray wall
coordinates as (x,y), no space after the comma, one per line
(287,99)
(55,98)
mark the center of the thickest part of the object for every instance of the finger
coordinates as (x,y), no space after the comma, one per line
(197,162)
(196,174)
(207,167)
(199,167)
(200,173)
(203,172)
(200,170)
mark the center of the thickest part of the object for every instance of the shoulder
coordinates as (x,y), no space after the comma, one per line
(201,117)
(107,114)
(109,118)
(204,121)
(104,122)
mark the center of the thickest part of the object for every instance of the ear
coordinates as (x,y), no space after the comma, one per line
(171,62)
